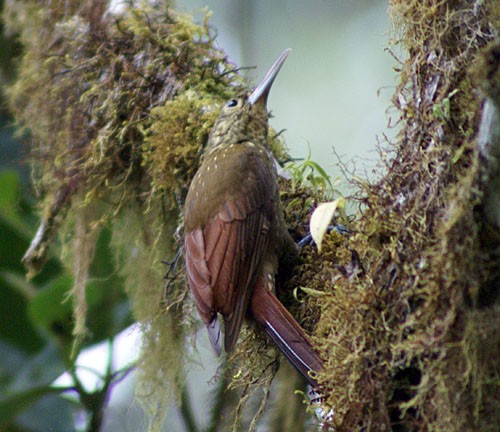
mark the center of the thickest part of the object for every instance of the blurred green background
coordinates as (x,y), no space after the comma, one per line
(333,92)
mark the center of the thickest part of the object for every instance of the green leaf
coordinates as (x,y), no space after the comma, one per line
(10,359)
(13,245)
(9,189)
(51,412)
(27,392)
(15,326)
(38,370)
(51,310)
(12,405)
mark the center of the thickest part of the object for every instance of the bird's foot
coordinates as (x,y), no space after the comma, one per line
(308,240)
(322,412)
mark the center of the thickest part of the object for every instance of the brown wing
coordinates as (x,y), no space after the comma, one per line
(224,255)
(198,277)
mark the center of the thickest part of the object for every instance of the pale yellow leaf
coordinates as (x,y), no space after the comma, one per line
(321,218)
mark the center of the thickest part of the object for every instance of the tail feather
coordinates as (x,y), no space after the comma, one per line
(285,332)
(214,335)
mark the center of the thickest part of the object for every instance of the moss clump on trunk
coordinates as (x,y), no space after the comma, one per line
(410,341)
(402,309)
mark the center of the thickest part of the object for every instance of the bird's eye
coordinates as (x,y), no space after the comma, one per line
(232,103)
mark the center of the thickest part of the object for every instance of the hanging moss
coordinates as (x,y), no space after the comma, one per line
(118,109)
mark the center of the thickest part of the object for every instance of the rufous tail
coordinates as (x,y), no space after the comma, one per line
(284,331)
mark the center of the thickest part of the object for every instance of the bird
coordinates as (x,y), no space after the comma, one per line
(235,235)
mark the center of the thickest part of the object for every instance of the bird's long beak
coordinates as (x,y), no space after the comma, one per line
(262,90)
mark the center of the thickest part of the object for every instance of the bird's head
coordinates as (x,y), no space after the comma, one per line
(245,118)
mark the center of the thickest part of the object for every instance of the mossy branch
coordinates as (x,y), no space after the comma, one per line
(404,308)
(118,108)
(406,339)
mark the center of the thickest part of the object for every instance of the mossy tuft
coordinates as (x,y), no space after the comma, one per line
(406,324)
(117,109)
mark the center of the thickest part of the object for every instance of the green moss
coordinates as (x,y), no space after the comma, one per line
(402,333)
(118,113)
(118,110)
(172,143)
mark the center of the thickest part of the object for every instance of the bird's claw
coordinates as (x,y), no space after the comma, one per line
(308,240)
